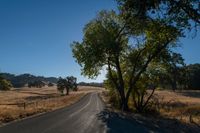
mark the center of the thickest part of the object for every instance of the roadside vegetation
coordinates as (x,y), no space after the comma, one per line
(136,46)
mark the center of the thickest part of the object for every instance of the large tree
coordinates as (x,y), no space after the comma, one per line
(126,53)
(183,14)
(127,43)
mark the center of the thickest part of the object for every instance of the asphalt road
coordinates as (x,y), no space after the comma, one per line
(77,118)
(88,115)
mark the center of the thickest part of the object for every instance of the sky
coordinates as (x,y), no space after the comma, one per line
(35,36)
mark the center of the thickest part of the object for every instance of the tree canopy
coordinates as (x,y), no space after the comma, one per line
(142,34)
(66,84)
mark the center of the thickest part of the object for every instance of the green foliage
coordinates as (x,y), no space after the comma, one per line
(130,43)
(37,84)
(106,42)
(114,98)
(193,76)
(182,14)
(69,83)
(174,72)
(99,43)
(5,84)
(61,85)
(50,84)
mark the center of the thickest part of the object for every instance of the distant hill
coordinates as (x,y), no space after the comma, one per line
(23,79)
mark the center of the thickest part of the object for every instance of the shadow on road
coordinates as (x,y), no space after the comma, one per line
(119,123)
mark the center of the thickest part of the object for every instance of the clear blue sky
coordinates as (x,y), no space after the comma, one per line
(35,36)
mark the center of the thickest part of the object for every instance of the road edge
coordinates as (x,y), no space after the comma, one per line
(42,113)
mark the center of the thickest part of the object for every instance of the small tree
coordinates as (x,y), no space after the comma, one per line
(69,83)
(72,83)
(4,84)
(61,85)
(50,84)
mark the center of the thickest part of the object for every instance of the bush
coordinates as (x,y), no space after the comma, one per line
(5,85)
(37,84)
(50,84)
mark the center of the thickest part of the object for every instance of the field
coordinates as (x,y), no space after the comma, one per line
(23,102)
(182,105)
(174,111)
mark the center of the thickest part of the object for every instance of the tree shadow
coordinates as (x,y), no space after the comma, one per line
(119,123)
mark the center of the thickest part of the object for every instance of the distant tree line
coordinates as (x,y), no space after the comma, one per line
(37,84)
(176,74)
(91,84)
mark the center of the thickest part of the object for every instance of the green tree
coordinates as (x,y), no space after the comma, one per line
(37,83)
(69,83)
(183,14)
(193,76)
(61,84)
(50,84)
(107,42)
(4,84)
(174,64)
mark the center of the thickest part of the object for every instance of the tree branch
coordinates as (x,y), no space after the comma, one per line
(150,58)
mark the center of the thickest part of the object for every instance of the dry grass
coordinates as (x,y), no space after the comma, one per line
(182,105)
(37,100)
(178,112)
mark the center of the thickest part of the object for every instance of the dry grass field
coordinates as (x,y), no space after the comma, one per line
(23,102)
(170,107)
(181,105)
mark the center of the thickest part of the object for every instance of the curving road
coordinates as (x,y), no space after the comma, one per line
(80,117)
(86,116)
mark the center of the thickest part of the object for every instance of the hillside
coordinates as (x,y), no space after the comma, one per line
(23,79)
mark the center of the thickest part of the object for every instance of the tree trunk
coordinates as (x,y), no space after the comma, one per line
(67,91)
(124,105)
(123,102)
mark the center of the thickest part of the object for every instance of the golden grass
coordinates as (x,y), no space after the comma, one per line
(37,100)
(182,105)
